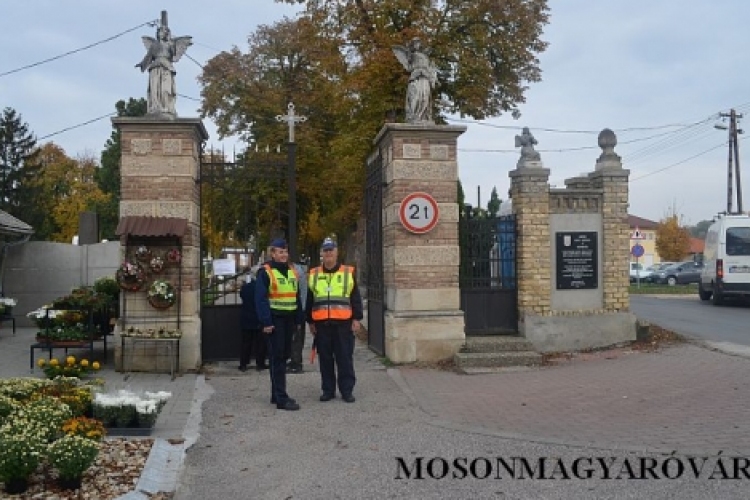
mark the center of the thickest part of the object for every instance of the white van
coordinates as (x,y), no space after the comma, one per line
(726,256)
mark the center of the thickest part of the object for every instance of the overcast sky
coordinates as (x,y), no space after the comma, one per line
(621,64)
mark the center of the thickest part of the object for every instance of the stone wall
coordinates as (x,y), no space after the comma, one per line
(568,319)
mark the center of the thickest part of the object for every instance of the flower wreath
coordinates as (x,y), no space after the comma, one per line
(156,265)
(130,276)
(143,253)
(161,294)
(174,256)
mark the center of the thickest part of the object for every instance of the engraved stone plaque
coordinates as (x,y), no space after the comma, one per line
(412,151)
(171,146)
(140,146)
(439,152)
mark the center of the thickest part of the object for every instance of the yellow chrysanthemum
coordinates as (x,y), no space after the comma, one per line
(71,360)
(84,362)
(95,365)
(41,362)
(53,362)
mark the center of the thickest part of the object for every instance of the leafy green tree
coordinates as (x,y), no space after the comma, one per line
(108,174)
(699,230)
(17,166)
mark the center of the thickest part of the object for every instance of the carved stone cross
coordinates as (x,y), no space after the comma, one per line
(291,119)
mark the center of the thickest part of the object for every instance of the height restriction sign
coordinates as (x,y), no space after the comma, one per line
(419,213)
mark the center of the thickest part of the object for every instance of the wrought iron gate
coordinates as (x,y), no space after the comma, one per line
(232,193)
(374,255)
(487,276)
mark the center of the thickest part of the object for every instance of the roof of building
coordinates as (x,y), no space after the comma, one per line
(11,225)
(697,245)
(642,223)
(141,225)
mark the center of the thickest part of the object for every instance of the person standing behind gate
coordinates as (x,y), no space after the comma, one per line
(279,306)
(253,341)
(298,342)
(334,310)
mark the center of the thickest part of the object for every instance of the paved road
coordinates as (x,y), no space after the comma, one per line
(689,316)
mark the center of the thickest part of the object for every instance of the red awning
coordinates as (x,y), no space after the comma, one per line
(147,226)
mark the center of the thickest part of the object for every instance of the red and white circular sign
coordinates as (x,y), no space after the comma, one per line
(419,213)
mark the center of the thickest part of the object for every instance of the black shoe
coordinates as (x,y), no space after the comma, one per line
(348,398)
(326,397)
(294,369)
(242,368)
(290,405)
(260,368)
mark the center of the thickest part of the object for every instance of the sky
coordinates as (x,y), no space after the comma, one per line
(657,73)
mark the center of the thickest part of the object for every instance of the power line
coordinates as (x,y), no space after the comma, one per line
(563,131)
(76,126)
(679,162)
(151,23)
(196,62)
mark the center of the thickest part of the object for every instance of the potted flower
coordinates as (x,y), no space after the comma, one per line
(161,294)
(71,456)
(68,368)
(143,253)
(20,454)
(88,428)
(147,411)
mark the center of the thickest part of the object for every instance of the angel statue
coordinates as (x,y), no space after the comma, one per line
(422,79)
(160,54)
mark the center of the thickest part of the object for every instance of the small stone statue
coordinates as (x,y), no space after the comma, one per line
(422,79)
(526,142)
(161,53)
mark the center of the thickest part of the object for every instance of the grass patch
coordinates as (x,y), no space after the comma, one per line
(651,288)
(386,361)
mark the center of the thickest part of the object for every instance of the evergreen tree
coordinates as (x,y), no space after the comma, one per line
(17,165)
(493,206)
(108,174)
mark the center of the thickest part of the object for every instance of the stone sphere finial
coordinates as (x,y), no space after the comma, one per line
(608,141)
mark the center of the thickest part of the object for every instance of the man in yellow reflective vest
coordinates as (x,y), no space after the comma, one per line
(333,311)
(279,307)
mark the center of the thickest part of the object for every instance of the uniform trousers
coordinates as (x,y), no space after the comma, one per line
(279,350)
(335,344)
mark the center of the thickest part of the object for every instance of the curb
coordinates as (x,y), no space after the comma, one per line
(165,461)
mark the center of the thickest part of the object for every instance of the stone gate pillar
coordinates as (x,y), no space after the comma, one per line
(530,193)
(159,168)
(423,320)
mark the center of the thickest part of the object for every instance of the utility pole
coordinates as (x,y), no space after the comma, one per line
(733,158)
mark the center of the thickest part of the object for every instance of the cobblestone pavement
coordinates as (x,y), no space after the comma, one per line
(685,398)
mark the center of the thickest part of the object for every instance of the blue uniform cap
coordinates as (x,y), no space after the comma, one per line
(328,244)
(279,243)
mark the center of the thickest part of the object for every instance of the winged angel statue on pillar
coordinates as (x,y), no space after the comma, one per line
(161,53)
(422,79)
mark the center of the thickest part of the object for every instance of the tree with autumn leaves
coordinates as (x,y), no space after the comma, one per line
(672,239)
(335,62)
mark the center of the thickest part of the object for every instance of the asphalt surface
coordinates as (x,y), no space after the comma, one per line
(248,449)
(690,316)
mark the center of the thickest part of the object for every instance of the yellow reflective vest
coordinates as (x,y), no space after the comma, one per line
(282,291)
(331,293)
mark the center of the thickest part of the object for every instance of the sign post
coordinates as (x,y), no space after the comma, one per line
(637,251)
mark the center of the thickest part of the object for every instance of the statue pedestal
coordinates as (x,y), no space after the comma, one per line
(423,319)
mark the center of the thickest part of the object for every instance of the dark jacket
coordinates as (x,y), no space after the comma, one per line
(262,304)
(248,316)
(355,299)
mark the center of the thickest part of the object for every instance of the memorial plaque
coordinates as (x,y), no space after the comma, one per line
(577,260)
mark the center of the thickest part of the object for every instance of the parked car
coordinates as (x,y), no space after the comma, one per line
(656,269)
(727,259)
(637,271)
(682,273)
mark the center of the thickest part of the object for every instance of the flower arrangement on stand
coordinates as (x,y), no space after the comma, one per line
(6,305)
(161,294)
(71,456)
(130,276)
(69,368)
